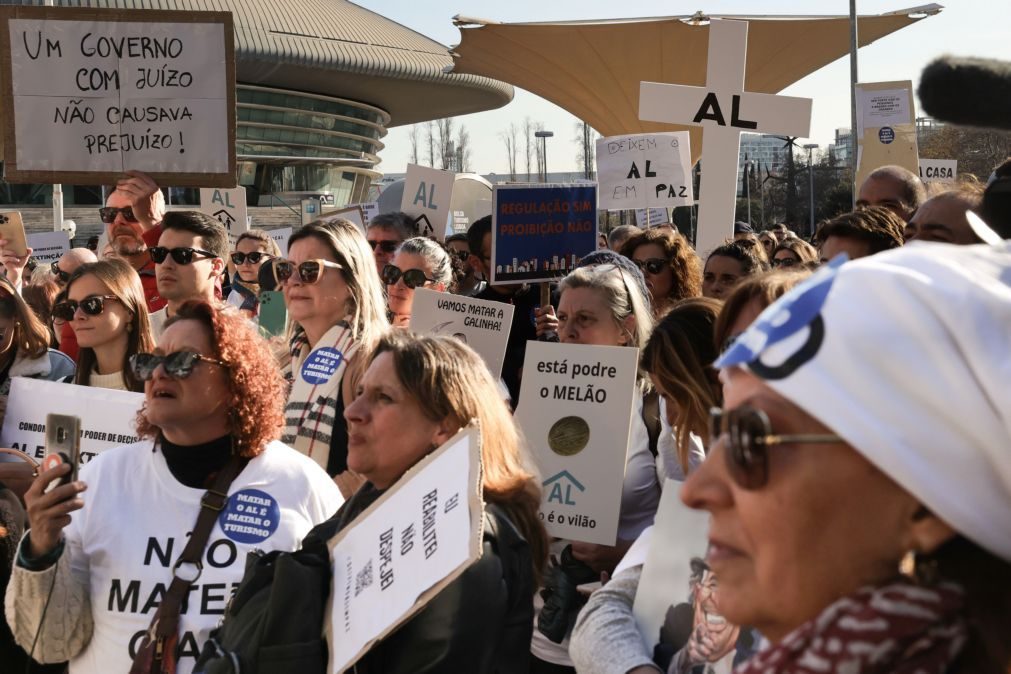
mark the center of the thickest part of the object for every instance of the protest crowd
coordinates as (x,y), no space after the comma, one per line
(836,403)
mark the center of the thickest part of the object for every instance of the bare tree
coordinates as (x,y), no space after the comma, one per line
(586,141)
(462,149)
(446,146)
(509,138)
(430,138)
(415,139)
(528,132)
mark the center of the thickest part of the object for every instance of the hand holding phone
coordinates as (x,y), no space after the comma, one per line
(54,493)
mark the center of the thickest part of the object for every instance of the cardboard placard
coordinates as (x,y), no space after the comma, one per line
(90,93)
(369,209)
(353,214)
(405,549)
(107,416)
(645,170)
(886,127)
(676,607)
(724,110)
(539,232)
(938,170)
(481,324)
(428,192)
(576,414)
(227,206)
(48,247)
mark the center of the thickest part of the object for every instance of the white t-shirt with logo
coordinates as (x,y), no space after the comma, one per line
(134,525)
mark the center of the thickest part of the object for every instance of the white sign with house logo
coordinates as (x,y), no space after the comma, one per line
(227,206)
(428,192)
(576,414)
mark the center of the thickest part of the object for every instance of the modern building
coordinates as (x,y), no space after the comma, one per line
(318,83)
(764,152)
(841,149)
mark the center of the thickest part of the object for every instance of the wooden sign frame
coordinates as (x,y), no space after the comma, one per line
(13,174)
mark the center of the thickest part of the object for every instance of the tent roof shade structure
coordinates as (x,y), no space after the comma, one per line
(593,68)
(338,49)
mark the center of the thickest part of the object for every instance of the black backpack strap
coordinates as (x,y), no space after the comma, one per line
(651,417)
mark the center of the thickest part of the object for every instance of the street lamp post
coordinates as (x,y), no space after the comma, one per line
(544,135)
(747,186)
(810,174)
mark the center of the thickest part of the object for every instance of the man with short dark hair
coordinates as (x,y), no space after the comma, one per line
(943,217)
(189,261)
(897,189)
(860,233)
(386,232)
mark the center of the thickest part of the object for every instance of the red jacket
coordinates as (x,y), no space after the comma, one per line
(147,278)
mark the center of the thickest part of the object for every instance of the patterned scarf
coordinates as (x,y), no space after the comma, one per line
(899,628)
(316,378)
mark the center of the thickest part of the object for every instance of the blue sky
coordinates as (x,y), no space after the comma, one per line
(964,27)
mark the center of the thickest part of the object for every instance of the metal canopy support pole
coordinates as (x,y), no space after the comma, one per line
(853,94)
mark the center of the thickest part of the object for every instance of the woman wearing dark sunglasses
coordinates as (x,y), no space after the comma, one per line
(337,310)
(418,263)
(669,265)
(252,249)
(105,307)
(213,398)
(24,345)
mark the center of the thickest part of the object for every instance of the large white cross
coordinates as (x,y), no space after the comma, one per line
(724,110)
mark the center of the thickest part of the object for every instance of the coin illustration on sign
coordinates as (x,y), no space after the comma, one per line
(569,436)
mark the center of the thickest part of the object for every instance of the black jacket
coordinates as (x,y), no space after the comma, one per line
(479,624)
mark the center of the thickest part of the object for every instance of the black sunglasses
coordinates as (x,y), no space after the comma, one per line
(412,277)
(785,262)
(385,246)
(748,434)
(182,255)
(253,258)
(653,265)
(178,365)
(92,306)
(108,214)
(462,254)
(62,276)
(310,271)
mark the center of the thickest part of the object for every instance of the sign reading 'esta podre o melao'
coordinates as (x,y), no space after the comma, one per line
(90,93)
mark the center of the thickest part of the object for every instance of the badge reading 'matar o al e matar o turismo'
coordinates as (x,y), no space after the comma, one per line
(569,436)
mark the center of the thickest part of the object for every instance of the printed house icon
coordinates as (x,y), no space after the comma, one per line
(225,218)
(561,488)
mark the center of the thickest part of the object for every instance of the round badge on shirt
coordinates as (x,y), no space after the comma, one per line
(251,516)
(320,366)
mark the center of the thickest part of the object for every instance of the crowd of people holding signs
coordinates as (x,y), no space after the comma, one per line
(525,448)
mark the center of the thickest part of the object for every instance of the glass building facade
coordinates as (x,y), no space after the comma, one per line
(288,145)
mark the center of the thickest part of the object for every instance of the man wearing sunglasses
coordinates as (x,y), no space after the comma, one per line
(189,261)
(132,215)
(385,234)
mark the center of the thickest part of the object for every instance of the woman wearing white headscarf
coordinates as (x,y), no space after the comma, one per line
(860,487)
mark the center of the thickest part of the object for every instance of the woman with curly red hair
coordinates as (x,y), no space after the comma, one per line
(212,391)
(669,264)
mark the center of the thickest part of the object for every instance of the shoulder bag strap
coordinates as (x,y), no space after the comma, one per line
(157,650)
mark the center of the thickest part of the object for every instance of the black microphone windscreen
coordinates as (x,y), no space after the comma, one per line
(968,91)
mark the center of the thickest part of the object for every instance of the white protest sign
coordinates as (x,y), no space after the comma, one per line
(936,170)
(676,604)
(883,107)
(97,92)
(651,217)
(280,237)
(644,170)
(48,246)
(107,416)
(481,324)
(428,191)
(886,127)
(353,214)
(227,206)
(576,414)
(724,110)
(405,548)
(369,209)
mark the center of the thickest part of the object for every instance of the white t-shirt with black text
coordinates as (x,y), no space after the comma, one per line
(134,525)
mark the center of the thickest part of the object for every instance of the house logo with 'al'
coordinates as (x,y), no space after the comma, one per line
(561,491)
(225,218)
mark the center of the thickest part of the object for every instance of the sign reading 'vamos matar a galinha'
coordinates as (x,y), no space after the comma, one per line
(89,93)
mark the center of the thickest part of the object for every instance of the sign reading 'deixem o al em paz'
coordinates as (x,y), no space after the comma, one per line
(90,93)
(541,231)
(645,170)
